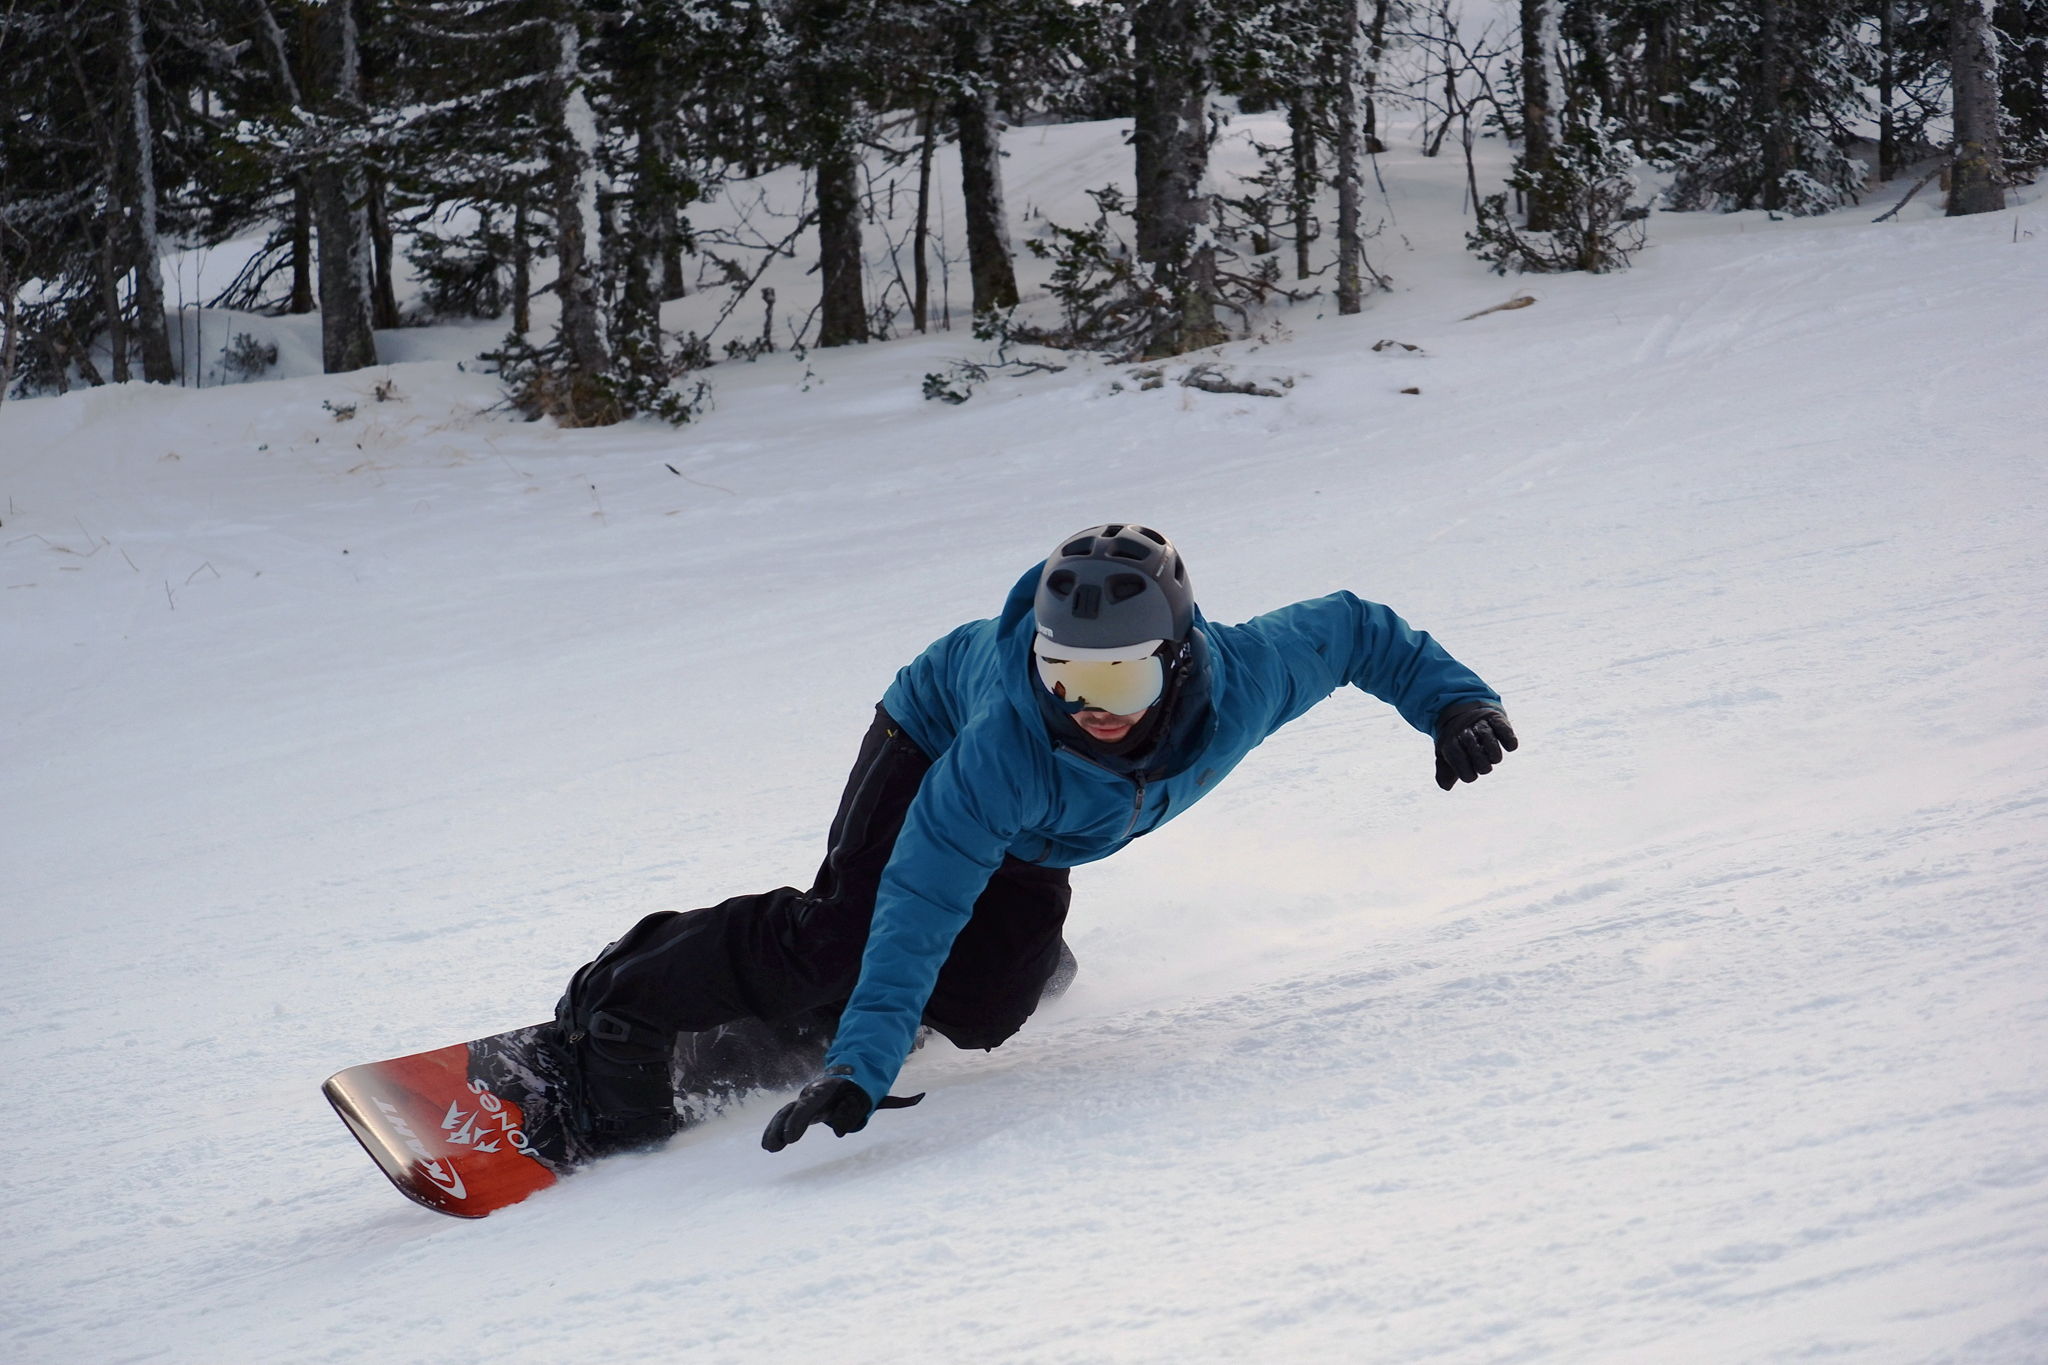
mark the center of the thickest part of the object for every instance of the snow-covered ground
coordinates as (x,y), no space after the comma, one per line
(1710,1028)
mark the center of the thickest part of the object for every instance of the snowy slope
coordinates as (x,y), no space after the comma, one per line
(1711,1028)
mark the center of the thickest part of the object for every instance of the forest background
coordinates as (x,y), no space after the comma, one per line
(489,152)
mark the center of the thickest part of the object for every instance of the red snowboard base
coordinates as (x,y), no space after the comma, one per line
(445,1140)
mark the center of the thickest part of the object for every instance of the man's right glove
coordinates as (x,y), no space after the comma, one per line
(1469,741)
(834,1099)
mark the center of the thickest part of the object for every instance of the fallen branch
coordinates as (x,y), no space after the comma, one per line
(1211,379)
(1918,185)
(1519,301)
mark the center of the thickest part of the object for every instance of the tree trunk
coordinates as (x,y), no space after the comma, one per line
(675,282)
(1539,111)
(572,174)
(1770,103)
(342,226)
(1887,84)
(826,35)
(1170,142)
(981,170)
(1342,41)
(110,297)
(1375,54)
(1976,174)
(383,293)
(920,237)
(139,202)
(1301,130)
(636,334)
(1661,72)
(302,249)
(522,270)
(340,193)
(10,314)
(657,190)
(843,310)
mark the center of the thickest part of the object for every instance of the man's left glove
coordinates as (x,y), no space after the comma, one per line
(1469,741)
(832,1099)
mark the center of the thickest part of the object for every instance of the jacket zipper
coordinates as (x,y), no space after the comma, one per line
(1137,781)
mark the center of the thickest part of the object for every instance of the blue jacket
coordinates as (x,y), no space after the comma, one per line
(1000,783)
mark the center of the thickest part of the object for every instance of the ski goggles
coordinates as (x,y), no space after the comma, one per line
(1122,681)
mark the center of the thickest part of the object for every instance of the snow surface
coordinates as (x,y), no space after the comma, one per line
(1710,1028)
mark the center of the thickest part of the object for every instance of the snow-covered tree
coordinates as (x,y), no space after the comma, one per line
(2022,27)
(1763,97)
(101,156)
(1013,55)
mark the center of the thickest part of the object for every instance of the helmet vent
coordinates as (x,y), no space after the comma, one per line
(1124,586)
(1124,548)
(1087,602)
(1078,547)
(1150,535)
(1114,530)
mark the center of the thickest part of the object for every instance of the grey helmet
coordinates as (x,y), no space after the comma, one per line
(1113,586)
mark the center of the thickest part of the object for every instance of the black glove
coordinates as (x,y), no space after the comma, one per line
(832,1099)
(1469,741)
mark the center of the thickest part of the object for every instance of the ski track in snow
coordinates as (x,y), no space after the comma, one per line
(1711,1028)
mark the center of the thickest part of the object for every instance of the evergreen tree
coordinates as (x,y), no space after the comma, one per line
(56,186)
(2022,28)
(462,143)
(1762,97)
(1008,54)
(100,166)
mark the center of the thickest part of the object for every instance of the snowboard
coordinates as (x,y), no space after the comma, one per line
(449,1126)
(474,1127)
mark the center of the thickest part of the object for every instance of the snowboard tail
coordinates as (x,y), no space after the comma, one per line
(435,1125)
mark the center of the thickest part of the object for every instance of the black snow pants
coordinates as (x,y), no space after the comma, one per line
(748,992)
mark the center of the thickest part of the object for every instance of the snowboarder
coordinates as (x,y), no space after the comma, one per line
(1099,704)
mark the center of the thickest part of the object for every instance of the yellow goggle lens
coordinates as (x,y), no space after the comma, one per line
(1122,687)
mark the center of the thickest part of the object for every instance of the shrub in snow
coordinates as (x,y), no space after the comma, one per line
(1590,187)
(539,383)
(246,358)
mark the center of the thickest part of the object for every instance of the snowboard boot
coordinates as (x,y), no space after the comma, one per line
(625,1101)
(534,1069)
(1063,974)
